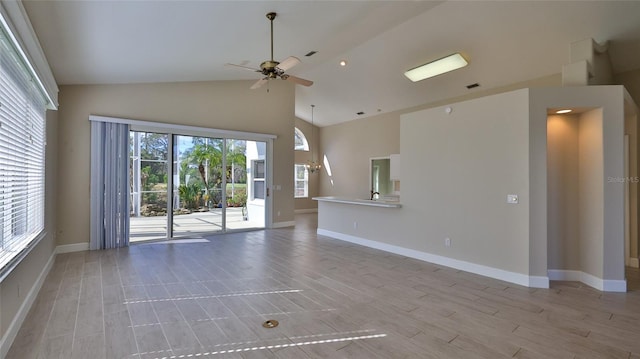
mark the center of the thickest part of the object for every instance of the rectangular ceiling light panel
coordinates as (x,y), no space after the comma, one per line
(435,68)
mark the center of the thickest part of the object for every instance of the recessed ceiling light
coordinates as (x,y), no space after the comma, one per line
(343,63)
(437,67)
(563,111)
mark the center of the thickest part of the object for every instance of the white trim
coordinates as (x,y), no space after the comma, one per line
(18,319)
(14,16)
(568,275)
(496,273)
(634,263)
(306,210)
(611,285)
(538,281)
(149,126)
(283,224)
(605,285)
(75,247)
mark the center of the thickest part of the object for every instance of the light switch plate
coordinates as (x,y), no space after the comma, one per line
(512,198)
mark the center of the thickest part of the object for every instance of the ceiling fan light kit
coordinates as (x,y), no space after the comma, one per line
(437,67)
(272,69)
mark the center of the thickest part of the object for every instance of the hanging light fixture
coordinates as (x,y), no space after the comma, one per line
(312,165)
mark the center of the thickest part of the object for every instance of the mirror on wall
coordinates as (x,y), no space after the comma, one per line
(379,177)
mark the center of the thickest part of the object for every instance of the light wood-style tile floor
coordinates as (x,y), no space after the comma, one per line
(332,299)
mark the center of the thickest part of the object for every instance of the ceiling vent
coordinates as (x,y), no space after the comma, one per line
(311,53)
(473,86)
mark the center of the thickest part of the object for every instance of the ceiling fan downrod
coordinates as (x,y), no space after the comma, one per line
(271,16)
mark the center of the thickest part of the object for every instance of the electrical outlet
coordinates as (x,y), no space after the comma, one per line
(18,290)
(355,225)
(447,242)
(278,213)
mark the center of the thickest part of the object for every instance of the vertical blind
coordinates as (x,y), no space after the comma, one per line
(22,153)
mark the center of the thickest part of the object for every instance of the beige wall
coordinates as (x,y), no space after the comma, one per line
(611,208)
(562,192)
(631,81)
(575,172)
(301,157)
(349,145)
(457,170)
(590,196)
(26,274)
(228,105)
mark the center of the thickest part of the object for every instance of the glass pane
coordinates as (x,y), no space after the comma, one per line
(236,213)
(258,169)
(148,153)
(258,189)
(300,142)
(197,185)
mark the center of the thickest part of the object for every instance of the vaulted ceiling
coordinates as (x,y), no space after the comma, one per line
(102,42)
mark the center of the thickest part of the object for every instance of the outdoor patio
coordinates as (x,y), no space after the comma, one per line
(189,225)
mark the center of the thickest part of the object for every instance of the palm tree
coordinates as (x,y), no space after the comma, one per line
(208,157)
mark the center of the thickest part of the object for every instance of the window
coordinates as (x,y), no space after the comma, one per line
(301,181)
(300,141)
(22,144)
(258,179)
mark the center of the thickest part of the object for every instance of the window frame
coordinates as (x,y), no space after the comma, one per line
(297,133)
(23,126)
(305,180)
(255,180)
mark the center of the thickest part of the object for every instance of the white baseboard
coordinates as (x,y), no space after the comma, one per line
(306,210)
(634,263)
(75,247)
(283,224)
(507,276)
(16,323)
(605,285)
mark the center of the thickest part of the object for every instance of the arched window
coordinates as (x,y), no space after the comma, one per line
(300,142)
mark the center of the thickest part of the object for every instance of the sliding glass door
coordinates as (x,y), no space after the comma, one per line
(217,185)
(148,192)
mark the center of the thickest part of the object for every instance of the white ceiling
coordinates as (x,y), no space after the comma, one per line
(101,42)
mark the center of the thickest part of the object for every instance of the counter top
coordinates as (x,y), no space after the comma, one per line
(360,202)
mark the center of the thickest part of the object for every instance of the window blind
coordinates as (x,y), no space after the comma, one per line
(22,153)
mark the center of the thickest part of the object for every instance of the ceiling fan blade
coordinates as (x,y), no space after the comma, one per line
(299,81)
(242,67)
(259,83)
(288,63)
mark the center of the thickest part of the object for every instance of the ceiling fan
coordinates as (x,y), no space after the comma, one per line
(273,69)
